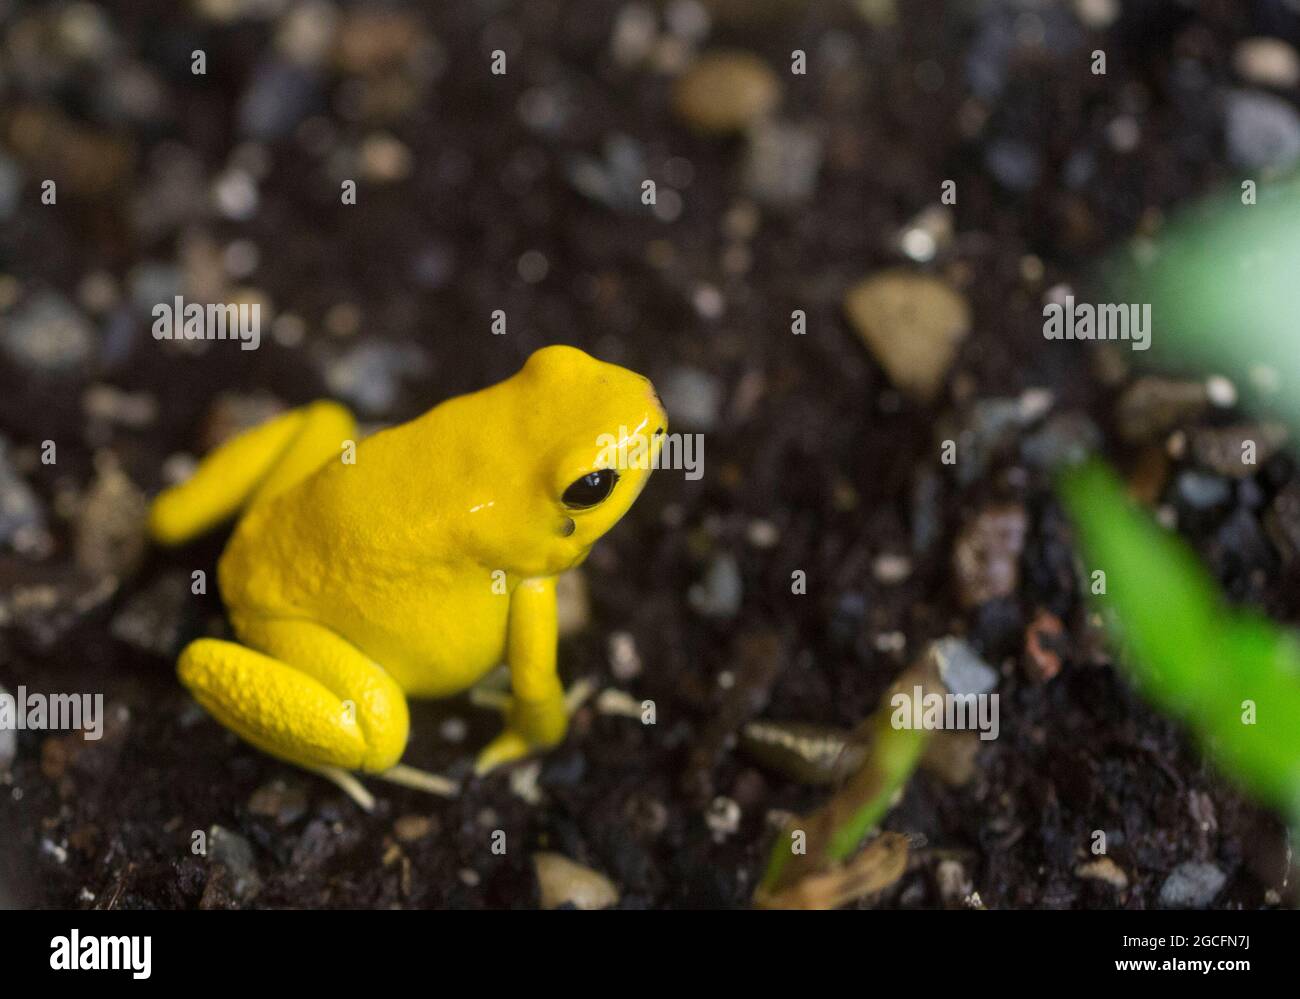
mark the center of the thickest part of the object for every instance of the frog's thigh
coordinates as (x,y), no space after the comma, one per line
(250,468)
(310,697)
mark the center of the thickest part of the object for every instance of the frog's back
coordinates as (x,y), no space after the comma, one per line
(375,549)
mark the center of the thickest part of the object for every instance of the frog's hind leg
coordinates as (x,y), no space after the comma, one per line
(249,468)
(308,697)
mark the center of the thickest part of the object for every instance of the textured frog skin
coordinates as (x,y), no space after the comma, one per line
(413,569)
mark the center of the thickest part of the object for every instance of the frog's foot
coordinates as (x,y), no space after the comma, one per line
(531,726)
(309,698)
(400,773)
(420,780)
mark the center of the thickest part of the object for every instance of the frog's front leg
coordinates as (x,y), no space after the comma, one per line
(308,697)
(537,712)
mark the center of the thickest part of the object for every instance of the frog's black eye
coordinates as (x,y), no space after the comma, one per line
(591,489)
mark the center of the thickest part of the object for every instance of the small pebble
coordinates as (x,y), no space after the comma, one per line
(1267,62)
(961,668)
(891,569)
(384,159)
(693,398)
(723,818)
(370,374)
(913,324)
(1105,870)
(563,882)
(235,853)
(1262,131)
(1202,491)
(721,591)
(724,92)
(986,556)
(633,37)
(279,800)
(1097,14)
(22,517)
(953,883)
(1225,449)
(1014,162)
(136,410)
(781,163)
(1151,407)
(624,660)
(110,535)
(410,828)
(1065,439)
(48,335)
(1192,885)
(523,781)
(762,534)
(1221,392)
(279,96)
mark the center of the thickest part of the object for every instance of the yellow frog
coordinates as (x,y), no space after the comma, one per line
(410,563)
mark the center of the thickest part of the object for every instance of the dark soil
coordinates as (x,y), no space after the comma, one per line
(811,439)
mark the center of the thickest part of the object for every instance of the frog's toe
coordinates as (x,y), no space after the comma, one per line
(508,747)
(532,726)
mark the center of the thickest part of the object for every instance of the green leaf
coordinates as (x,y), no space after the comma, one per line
(1233,676)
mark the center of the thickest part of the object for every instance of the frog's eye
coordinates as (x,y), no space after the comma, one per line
(591,489)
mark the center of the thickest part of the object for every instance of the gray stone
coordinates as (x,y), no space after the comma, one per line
(692,397)
(279,97)
(369,375)
(48,335)
(22,519)
(1262,131)
(1202,491)
(961,668)
(781,163)
(1192,885)
(235,854)
(1066,439)
(720,592)
(1014,163)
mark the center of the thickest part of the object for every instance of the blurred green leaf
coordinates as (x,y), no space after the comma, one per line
(1221,279)
(835,831)
(1232,675)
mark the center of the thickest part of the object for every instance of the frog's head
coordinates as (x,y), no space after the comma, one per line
(586,434)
